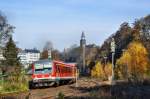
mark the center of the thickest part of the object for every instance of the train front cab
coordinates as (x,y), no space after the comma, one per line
(41,74)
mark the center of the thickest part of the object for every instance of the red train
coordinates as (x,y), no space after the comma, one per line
(48,72)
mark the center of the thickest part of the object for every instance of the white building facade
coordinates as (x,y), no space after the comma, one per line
(1,54)
(28,56)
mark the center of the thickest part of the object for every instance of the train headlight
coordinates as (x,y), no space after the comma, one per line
(35,80)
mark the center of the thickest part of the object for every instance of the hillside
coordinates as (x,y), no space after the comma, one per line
(125,35)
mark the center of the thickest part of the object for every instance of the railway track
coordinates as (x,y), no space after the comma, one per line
(51,93)
(67,90)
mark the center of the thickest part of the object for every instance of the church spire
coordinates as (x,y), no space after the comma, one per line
(83,47)
(82,40)
(83,35)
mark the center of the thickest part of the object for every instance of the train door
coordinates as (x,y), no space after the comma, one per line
(58,72)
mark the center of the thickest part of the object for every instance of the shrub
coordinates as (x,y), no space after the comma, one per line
(101,71)
(60,96)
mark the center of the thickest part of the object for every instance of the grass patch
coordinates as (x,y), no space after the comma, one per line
(13,83)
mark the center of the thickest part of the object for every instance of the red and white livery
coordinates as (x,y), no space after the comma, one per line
(48,72)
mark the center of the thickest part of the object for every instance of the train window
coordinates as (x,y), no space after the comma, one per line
(66,69)
(43,71)
(38,71)
(47,70)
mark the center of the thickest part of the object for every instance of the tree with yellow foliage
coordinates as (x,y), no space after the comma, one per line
(101,71)
(135,58)
(97,70)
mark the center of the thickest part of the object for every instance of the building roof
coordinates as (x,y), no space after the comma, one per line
(30,51)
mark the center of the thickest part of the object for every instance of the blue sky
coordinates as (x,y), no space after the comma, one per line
(62,21)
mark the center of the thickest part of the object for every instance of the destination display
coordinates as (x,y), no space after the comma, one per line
(38,66)
(41,66)
(48,65)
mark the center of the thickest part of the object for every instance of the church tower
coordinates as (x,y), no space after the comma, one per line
(83,46)
(83,40)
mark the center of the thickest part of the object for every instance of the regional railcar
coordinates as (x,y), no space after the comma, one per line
(48,72)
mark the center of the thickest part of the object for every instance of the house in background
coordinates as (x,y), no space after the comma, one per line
(1,54)
(28,56)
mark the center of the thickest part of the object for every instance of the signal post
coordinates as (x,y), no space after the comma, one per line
(113,46)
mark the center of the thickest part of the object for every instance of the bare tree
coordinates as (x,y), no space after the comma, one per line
(5,29)
(48,46)
(5,33)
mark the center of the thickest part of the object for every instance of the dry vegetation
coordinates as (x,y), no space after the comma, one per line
(88,88)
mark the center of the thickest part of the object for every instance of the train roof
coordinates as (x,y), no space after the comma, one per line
(71,63)
(42,61)
(67,64)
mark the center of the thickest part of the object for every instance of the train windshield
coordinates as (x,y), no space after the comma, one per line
(43,71)
(42,67)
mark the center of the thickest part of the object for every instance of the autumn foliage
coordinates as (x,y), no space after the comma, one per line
(134,62)
(101,71)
